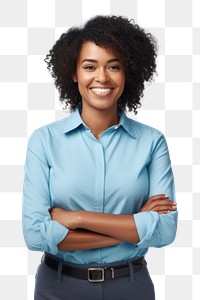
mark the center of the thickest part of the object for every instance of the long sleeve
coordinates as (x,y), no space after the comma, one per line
(40,232)
(66,167)
(158,230)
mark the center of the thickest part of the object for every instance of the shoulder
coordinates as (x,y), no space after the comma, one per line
(57,126)
(47,132)
(142,131)
(149,139)
(141,127)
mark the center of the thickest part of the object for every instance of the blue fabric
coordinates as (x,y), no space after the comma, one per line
(67,167)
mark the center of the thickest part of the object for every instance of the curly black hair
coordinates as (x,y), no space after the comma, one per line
(136,49)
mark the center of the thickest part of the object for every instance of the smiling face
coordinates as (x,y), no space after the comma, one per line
(100,77)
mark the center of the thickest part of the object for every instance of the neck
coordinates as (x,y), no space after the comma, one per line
(99,120)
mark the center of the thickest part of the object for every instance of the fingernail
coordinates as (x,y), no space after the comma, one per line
(174,207)
(166,196)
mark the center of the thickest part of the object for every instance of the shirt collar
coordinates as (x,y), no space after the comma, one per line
(127,124)
(74,121)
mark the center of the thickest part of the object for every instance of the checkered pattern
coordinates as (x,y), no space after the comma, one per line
(28,29)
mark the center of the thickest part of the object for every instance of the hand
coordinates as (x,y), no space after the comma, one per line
(159,203)
(65,217)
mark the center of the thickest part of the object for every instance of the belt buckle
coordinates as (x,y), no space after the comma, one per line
(94,271)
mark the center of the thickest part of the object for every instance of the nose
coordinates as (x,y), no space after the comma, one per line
(101,75)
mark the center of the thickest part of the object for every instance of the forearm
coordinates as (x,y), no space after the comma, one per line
(121,227)
(84,240)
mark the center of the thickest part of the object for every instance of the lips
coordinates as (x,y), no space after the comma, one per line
(101,91)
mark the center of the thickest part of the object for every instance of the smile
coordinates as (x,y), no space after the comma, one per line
(102,91)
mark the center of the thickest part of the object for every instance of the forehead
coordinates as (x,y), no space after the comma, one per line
(90,50)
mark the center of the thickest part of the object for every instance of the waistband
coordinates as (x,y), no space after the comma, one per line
(98,273)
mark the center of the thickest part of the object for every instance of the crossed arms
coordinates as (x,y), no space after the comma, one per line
(90,230)
(154,225)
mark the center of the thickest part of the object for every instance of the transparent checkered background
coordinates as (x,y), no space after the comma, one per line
(28,29)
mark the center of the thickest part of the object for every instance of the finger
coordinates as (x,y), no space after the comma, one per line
(154,199)
(164,212)
(159,207)
(159,196)
(161,204)
(164,208)
(153,205)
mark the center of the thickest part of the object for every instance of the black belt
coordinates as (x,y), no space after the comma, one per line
(95,274)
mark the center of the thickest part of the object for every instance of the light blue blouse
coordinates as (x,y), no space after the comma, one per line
(67,167)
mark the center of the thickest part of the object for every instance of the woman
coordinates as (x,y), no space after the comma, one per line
(98,187)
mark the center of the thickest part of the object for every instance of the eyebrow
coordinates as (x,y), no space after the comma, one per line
(95,61)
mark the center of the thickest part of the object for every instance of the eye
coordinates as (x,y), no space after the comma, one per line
(89,67)
(115,67)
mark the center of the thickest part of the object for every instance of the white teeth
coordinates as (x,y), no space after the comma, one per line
(101,90)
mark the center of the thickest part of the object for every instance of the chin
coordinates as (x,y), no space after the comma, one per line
(105,105)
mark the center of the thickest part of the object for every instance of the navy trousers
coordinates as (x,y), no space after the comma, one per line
(53,285)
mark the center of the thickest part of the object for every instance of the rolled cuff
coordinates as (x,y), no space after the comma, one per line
(53,233)
(146,223)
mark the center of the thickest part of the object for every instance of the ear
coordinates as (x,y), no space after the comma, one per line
(74,78)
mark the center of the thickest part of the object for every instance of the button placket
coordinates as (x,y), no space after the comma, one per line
(100,177)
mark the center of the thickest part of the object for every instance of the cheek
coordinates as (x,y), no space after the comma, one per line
(123,79)
(120,80)
(121,84)
(84,77)
(83,82)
